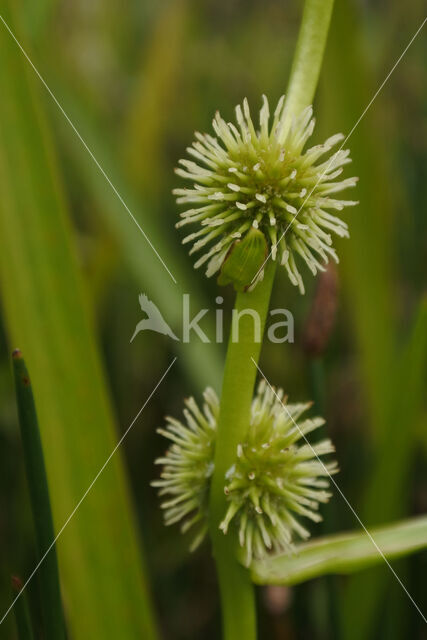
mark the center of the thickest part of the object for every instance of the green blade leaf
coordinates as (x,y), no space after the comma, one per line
(50,592)
(368,269)
(48,315)
(393,468)
(344,553)
(142,264)
(21,611)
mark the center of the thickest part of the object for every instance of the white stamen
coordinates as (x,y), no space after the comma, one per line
(233,187)
(285,256)
(212,223)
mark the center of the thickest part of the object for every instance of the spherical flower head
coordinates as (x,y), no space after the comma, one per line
(247,179)
(275,479)
(188,466)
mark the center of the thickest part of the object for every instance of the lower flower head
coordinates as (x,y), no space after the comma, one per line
(276,478)
(274,481)
(244,179)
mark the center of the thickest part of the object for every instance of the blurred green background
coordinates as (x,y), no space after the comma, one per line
(136,79)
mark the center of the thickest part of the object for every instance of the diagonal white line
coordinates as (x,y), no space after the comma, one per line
(58,104)
(356,124)
(36,568)
(343,497)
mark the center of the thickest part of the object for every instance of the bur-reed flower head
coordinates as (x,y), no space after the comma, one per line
(263,179)
(278,476)
(275,480)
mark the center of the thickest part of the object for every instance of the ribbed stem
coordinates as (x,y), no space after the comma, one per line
(309,54)
(50,595)
(237,594)
(237,597)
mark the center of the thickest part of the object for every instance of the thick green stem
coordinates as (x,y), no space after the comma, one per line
(237,597)
(309,54)
(236,589)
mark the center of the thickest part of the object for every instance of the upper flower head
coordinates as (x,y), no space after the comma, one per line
(264,180)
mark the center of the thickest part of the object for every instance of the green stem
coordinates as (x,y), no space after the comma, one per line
(50,594)
(309,54)
(237,596)
(236,589)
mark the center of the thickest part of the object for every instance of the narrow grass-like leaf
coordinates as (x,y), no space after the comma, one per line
(367,266)
(343,554)
(36,16)
(145,268)
(21,611)
(48,315)
(392,470)
(156,85)
(50,592)
(393,466)
(368,277)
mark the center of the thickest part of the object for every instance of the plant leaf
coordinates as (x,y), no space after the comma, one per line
(344,553)
(47,314)
(142,264)
(50,592)
(22,611)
